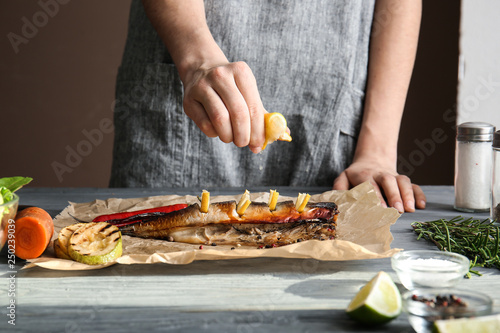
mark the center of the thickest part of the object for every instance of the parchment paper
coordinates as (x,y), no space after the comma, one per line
(363,232)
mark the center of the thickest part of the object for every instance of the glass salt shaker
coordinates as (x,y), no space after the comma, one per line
(473,163)
(495,185)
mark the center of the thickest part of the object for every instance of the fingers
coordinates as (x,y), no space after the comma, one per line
(402,194)
(224,101)
(420,198)
(196,112)
(208,107)
(232,118)
(341,182)
(392,189)
(378,191)
(247,85)
(353,177)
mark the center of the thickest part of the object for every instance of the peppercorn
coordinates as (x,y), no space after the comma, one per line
(441,301)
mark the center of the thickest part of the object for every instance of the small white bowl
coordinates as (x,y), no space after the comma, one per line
(429,269)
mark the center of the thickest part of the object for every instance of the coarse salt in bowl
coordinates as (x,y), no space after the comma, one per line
(429,269)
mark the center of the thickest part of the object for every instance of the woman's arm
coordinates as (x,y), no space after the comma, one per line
(220,97)
(392,55)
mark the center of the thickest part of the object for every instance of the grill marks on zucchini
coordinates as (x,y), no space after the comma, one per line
(93,243)
(62,241)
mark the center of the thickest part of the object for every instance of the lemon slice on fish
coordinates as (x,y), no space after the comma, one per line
(276,128)
(95,243)
(273,199)
(243,203)
(302,200)
(205,201)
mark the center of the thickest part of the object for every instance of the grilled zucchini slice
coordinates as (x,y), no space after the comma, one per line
(95,243)
(62,241)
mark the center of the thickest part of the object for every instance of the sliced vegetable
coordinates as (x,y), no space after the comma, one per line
(95,243)
(205,201)
(123,215)
(378,302)
(34,229)
(302,200)
(484,324)
(273,199)
(62,241)
(243,203)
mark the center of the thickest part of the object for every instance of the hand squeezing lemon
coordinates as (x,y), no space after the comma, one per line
(276,129)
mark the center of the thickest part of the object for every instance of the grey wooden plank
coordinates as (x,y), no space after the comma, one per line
(158,319)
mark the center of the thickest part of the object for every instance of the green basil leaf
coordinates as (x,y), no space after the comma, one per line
(14,183)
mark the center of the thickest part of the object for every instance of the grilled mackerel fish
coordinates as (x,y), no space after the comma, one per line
(257,226)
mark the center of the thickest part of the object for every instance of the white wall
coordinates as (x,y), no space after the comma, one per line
(479,72)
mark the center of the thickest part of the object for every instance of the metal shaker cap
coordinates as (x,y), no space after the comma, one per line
(496,139)
(475,131)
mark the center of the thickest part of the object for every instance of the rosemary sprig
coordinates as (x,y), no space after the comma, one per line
(478,240)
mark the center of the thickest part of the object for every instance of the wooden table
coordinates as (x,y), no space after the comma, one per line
(242,295)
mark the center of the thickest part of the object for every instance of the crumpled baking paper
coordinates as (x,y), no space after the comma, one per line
(363,232)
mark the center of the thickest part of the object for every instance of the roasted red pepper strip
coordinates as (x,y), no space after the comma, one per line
(124,215)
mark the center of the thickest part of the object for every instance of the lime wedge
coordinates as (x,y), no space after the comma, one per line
(378,302)
(484,324)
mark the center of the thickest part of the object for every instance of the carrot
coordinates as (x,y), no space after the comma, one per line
(34,229)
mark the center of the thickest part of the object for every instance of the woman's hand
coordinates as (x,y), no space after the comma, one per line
(393,46)
(219,96)
(397,189)
(224,102)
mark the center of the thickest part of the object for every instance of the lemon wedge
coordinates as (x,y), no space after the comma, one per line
(276,128)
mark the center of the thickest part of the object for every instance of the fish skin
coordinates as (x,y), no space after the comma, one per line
(257,226)
(264,234)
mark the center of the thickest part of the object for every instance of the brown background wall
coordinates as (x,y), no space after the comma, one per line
(57,91)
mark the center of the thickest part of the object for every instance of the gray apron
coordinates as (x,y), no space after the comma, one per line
(310,61)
